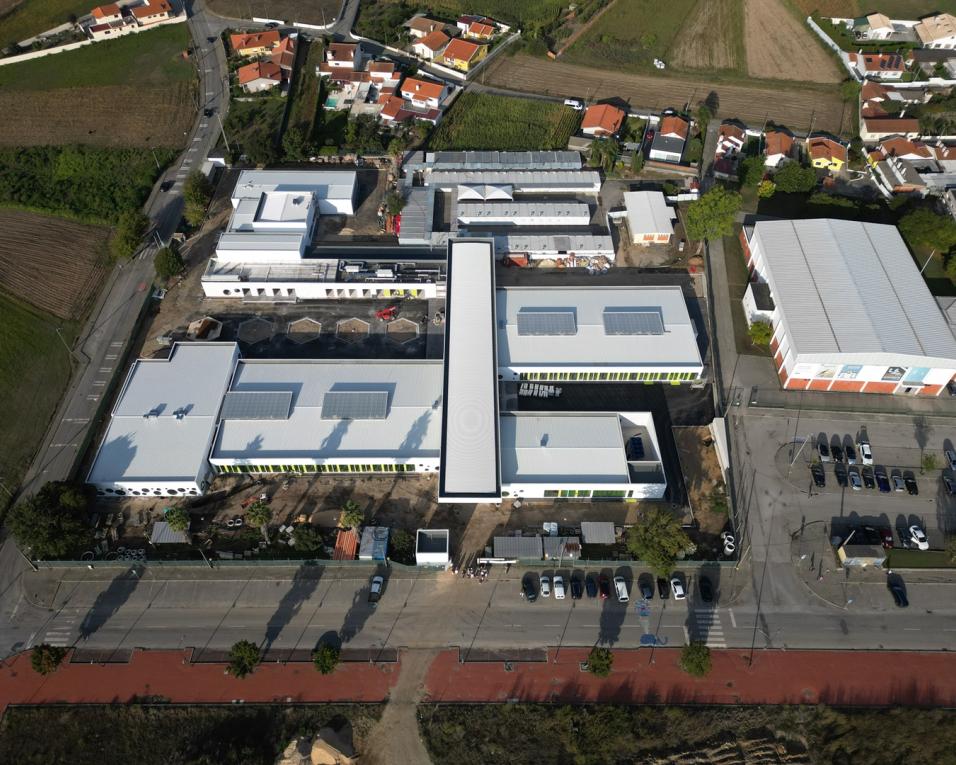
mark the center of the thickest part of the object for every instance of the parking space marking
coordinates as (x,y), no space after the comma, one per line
(733,619)
(111,356)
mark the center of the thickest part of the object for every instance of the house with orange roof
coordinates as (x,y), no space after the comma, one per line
(421,26)
(670,138)
(106,14)
(431,45)
(463,55)
(345,56)
(826,152)
(424,94)
(396,109)
(874,129)
(602,120)
(778,147)
(480,30)
(284,54)
(878,66)
(254,43)
(152,11)
(731,139)
(259,76)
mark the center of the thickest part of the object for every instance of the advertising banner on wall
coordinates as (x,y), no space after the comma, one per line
(827,371)
(916,374)
(894,374)
(850,371)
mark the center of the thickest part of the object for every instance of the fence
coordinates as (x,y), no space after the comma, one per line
(828,41)
(216,563)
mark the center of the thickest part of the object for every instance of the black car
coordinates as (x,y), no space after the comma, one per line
(528,589)
(899,595)
(604,586)
(911,488)
(663,589)
(837,452)
(824,451)
(949,485)
(841,474)
(166,185)
(210,39)
(951,387)
(646,585)
(868,481)
(882,481)
(591,586)
(850,454)
(576,589)
(706,589)
(819,478)
(208,112)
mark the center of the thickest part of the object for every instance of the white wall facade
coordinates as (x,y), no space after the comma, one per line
(324,290)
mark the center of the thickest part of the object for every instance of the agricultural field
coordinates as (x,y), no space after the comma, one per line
(22,19)
(56,265)
(781,47)
(380,18)
(318,12)
(711,37)
(481,121)
(895,9)
(34,371)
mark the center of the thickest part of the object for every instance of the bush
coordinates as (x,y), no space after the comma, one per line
(326,658)
(600,661)
(695,659)
(657,539)
(244,657)
(925,227)
(45,658)
(307,538)
(129,233)
(197,193)
(352,515)
(53,522)
(794,179)
(713,215)
(168,263)
(760,333)
(751,171)
(178,518)
(402,546)
(766,189)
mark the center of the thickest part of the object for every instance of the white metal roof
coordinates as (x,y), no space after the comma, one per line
(566,180)
(562,449)
(497,210)
(597,532)
(469,458)
(648,213)
(591,346)
(409,430)
(567,242)
(325,184)
(850,288)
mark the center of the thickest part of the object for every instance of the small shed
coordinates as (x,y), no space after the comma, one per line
(861,556)
(164,535)
(346,545)
(514,548)
(597,532)
(562,548)
(432,548)
(374,545)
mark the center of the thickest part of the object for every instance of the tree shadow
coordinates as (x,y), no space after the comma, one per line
(358,614)
(304,584)
(612,617)
(108,602)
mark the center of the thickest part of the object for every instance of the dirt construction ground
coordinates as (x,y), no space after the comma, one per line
(779,47)
(707,39)
(793,107)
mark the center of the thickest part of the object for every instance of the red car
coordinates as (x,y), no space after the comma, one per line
(886,537)
(604,587)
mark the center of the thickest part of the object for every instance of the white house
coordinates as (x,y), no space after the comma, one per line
(937,31)
(424,94)
(344,55)
(430,46)
(649,219)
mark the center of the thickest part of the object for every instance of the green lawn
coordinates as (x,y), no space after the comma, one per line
(146,58)
(901,558)
(34,371)
(305,94)
(30,17)
(481,121)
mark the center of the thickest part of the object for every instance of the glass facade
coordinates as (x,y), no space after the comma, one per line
(351,468)
(609,376)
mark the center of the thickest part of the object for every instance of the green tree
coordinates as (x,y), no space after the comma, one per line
(600,661)
(178,518)
(637,161)
(244,657)
(925,227)
(326,658)
(394,202)
(704,116)
(695,659)
(295,145)
(52,523)
(402,546)
(849,90)
(766,189)
(307,538)
(751,171)
(760,332)
(951,549)
(928,463)
(197,194)
(695,148)
(260,514)
(352,515)
(45,658)
(604,153)
(657,539)
(168,263)
(795,179)
(128,234)
(712,216)
(951,268)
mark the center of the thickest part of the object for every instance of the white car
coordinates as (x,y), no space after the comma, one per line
(574,104)
(918,538)
(559,588)
(866,454)
(677,587)
(620,587)
(951,458)
(545,587)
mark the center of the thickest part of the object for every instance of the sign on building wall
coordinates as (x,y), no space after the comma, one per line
(894,374)
(916,374)
(850,371)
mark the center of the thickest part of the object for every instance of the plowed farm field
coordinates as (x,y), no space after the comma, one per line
(780,47)
(117,115)
(792,106)
(710,38)
(52,263)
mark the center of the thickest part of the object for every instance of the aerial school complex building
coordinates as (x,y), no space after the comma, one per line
(205,410)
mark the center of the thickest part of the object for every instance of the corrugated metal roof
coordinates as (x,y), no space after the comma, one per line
(597,532)
(519,547)
(648,213)
(569,180)
(374,545)
(558,548)
(163,535)
(476,212)
(417,216)
(503,160)
(346,544)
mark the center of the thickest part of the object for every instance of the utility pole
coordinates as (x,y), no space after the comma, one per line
(223,131)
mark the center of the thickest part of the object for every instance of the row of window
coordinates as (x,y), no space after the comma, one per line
(148,492)
(596,494)
(329,293)
(352,468)
(609,376)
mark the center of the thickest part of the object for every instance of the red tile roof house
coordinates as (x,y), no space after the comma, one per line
(284,54)
(778,147)
(424,94)
(670,139)
(104,14)
(430,46)
(151,11)
(480,30)
(730,140)
(396,109)
(602,120)
(259,76)
(879,66)
(422,26)
(344,56)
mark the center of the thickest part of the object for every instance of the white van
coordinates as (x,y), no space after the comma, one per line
(574,104)
(559,588)
(620,586)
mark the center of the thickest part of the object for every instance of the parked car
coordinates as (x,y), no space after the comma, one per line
(898,483)
(576,588)
(663,590)
(819,478)
(604,587)
(899,595)
(911,487)
(951,458)
(706,589)
(546,587)
(823,450)
(677,587)
(620,587)
(646,585)
(850,454)
(918,538)
(528,589)
(208,112)
(868,481)
(574,104)
(840,470)
(882,481)
(837,452)
(951,387)
(559,588)
(166,185)
(590,585)
(866,454)
(886,537)
(375,589)
(948,485)
(856,483)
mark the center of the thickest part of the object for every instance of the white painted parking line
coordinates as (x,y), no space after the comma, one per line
(92,398)
(197,138)
(80,420)
(207,69)
(203,124)
(210,92)
(911,629)
(111,356)
(733,619)
(99,383)
(194,148)
(106,370)
(115,344)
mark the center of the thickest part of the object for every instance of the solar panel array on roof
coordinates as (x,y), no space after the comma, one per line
(256,405)
(556,322)
(628,321)
(355,405)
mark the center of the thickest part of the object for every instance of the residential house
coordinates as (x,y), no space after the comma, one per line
(431,45)
(383,73)
(344,56)
(396,109)
(424,94)
(878,66)
(106,14)
(826,153)
(602,120)
(875,26)
(152,11)
(778,147)
(649,219)
(731,139)
(259,76)
(254,43)
(480,30)
(284,55)
(670,138)
(937,31)
(874,129)
(883,110)
(422,26)
(463,55)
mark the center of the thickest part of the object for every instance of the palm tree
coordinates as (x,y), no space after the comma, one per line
(260,514)
(352,515)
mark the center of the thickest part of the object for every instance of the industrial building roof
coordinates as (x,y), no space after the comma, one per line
(595,342)
(566,180)
(597,532)
(475,211)
(565,449)
(165,415)
(503,160)
(325,184)
(408,429)
(648,213)
(518,547)
(565,243)
(469,439)
(845,287)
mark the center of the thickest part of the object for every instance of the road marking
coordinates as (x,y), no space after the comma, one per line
(210,92)
(203,124)
(91,398)
(115,345)
(207,69)
(80,420)
(733,619)
(197,138)
(911,629)
(111,356)
(106,370)
(194,148)
(99,383)
(686,634)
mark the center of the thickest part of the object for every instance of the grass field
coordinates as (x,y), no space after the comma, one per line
(712,38)
(526,734)
(34,371)
(22,19)
(307,11)
(305,94)
(247,734)
(68,259)
(900,558)
(895,9)
(481,121)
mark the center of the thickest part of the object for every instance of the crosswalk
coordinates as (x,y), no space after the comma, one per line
(60,634)
(709,628)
